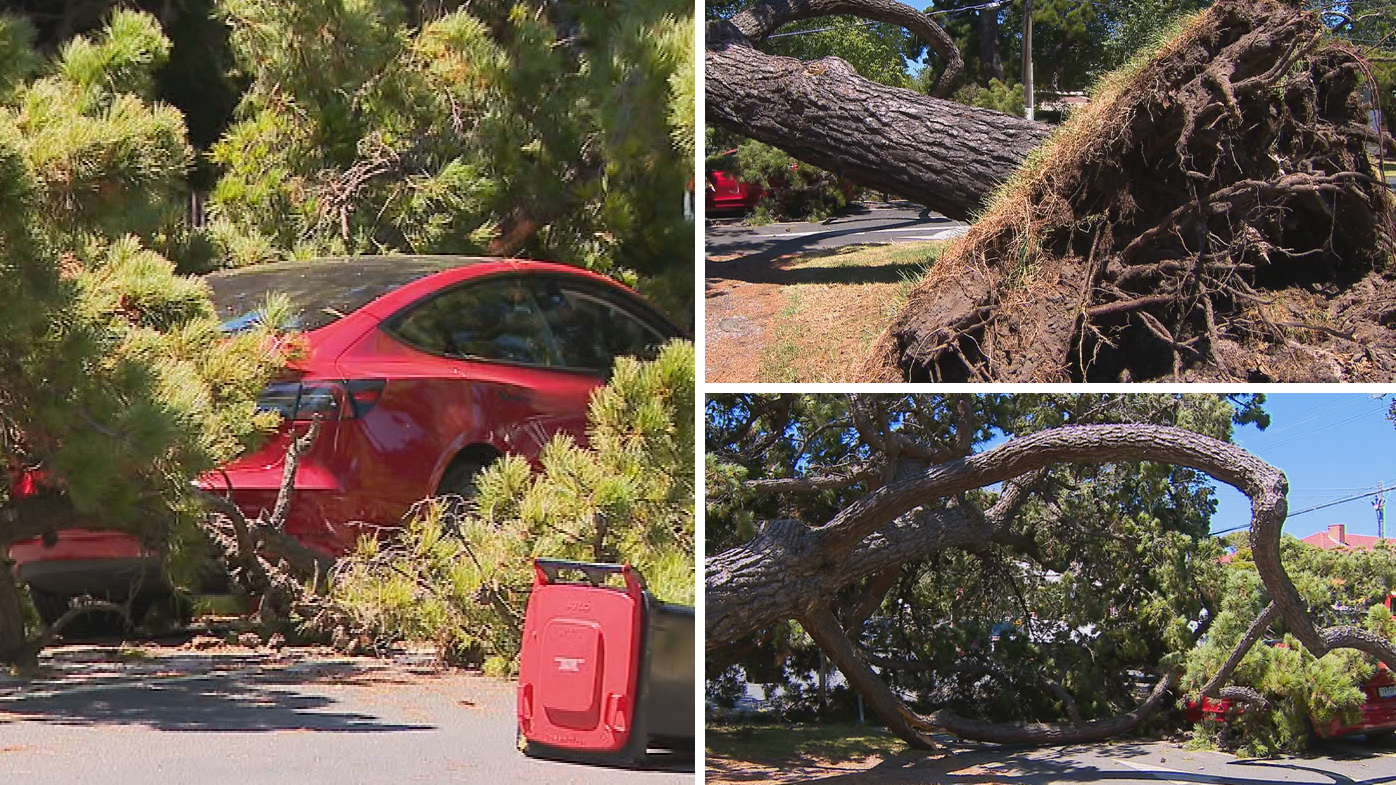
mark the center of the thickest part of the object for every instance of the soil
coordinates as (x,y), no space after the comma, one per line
(739,320)
(1214,215)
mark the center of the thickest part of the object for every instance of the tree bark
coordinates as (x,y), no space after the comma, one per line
(989,57)
(792,567)
(945,155)
(13,641)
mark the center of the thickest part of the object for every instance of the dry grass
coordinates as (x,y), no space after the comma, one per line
(843,300)
(848,754)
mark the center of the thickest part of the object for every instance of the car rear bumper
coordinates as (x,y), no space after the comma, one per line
(318,498)
(1374,717)
(110,578)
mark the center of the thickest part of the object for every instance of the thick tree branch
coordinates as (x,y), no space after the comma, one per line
(781,571)
(767,16)
(945,155)
(1239,651)
(810,484)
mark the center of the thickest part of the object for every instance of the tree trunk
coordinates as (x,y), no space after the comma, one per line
(792,567)
(989,57)
(944,155)
(14,645)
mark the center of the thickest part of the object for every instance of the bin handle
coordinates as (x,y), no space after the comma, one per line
(546,571)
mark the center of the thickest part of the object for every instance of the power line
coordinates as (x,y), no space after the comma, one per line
(1308,414)
(1314,508)
(1307,434)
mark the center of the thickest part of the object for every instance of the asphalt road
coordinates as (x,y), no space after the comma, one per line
(864,223)
(1335,763)
(248,717)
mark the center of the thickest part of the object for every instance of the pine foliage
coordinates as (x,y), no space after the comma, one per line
(561,131)
(460,578)
(118,384)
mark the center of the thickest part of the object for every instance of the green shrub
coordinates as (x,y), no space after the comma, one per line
(460,574)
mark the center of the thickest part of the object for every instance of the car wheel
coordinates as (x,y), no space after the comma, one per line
(459,479)
(51,607)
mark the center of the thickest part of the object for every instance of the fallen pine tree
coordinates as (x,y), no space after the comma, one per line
(867,520)
(1214,215)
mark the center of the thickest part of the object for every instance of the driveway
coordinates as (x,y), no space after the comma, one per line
(102,714)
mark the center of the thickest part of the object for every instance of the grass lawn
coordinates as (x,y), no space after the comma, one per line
(842,753)
(836,303)
(804,742)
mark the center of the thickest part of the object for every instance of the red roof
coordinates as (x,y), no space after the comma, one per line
(1337,538)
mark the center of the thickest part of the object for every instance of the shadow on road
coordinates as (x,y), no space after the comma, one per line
(273,700)
(831,274)
(969,764)
(765,248)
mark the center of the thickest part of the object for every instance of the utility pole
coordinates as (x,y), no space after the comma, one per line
(1379,504)
(1027,58)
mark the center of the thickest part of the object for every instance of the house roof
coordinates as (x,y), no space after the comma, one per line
(1328,540)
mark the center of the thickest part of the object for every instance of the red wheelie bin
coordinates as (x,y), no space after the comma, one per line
(606,671)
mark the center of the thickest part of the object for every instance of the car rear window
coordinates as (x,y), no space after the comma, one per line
(321,291)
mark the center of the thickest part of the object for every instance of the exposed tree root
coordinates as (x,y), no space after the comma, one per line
(1214,216)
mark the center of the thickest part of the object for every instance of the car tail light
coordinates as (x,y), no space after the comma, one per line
(364,393)
(330,400)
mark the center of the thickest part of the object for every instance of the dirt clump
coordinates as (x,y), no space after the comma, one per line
(1214,215)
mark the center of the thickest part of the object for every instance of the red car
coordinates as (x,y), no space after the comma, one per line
(1376,715)
(727,193)
(424,370)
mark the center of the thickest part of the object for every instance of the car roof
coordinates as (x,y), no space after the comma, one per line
(325,289)
(342,279)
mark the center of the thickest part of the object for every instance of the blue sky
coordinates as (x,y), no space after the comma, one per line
(1330,446)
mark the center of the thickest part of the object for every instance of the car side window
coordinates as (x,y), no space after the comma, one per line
(489,320)
(590,329)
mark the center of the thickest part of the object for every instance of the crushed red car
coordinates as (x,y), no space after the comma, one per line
(423,369)
(1375,716)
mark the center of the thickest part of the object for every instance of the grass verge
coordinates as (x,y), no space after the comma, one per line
(782,744)
(836,303)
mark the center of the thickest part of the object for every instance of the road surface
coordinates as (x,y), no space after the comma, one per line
(1119,763)
(869,223)
(1162,762)
(243,716)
